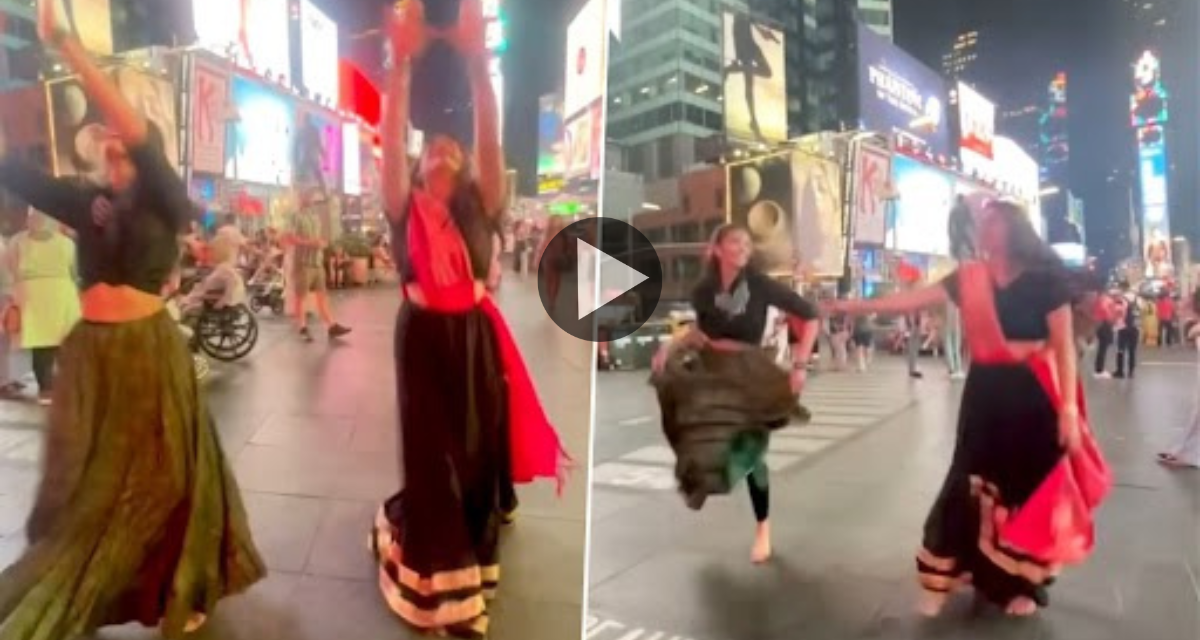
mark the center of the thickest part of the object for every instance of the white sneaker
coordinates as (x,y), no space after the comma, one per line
(958,376)
(1103,375)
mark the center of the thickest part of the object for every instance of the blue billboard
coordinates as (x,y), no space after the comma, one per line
(261,148)
(898,95)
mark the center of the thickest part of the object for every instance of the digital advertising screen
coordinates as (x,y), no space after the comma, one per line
(1156,226)
(872,183)
(1148,104)
(899,95)
(261,147)
(550,144)
(318,149)
(755,91)
(318,52)
(91,22)
(923,210)
(1019,172)
(352,162)
(257,32)
(762,201)
(818,233)
(210,94)
(977,122)
(1052,125)
(586,66)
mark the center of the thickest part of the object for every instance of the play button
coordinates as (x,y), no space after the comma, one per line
(599,279)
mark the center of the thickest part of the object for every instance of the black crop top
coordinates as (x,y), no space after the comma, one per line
(478,236)
(1025,303)
(741,313)
(136,245)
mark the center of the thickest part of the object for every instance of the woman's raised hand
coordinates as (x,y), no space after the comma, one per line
(469,35)
(407,30)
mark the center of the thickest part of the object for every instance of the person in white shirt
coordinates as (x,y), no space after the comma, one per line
(230,231)
(223,287)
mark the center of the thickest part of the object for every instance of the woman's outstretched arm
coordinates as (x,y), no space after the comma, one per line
(121,117)
(902,302)
(397,175)
(407,35)
(489,156)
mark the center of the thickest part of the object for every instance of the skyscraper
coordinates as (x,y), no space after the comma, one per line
(877,14)
(961,56)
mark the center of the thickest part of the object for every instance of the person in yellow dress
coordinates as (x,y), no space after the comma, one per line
(43,260)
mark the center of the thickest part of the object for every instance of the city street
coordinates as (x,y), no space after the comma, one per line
(849,496)
(311,429)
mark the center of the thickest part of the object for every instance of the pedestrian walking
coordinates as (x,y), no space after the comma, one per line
(1024,454)
(137,517)
(1128,332)
(1186,452)
(471,424)
(307,276)
(10,322)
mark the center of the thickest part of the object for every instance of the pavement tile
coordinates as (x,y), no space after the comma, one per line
(284,528)
(339,548)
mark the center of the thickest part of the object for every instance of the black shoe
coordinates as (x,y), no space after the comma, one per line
(916,375)
(1120,375)
(305,335)
(337,331)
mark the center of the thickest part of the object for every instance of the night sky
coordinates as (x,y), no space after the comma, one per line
(1024,42)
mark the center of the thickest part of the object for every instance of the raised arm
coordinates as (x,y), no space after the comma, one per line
(61,199)
(407,36)
(489,157)
(130,126)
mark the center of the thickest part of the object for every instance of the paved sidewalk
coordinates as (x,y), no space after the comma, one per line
(311,429)
(846,521)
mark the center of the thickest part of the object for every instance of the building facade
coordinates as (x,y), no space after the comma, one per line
(961,56)
(18,34)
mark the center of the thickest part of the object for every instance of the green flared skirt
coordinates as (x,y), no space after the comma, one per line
(138,517)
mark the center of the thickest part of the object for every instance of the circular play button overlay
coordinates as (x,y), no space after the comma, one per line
(599,279)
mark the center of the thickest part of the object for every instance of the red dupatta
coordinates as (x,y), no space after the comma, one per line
(442,266)
(1055,525)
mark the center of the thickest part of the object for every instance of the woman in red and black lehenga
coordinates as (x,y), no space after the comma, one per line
(1026,475)
(471,424)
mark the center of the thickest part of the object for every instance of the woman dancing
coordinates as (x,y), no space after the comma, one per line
(1026,475)
(731,304)
(137,518)
(470,421)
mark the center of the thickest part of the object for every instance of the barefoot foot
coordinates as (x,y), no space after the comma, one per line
(761,552)
(931,603)
(195,622)
(1021,607)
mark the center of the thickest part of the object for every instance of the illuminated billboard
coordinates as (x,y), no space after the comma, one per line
(210,95)
(898,95)
(79,130)
(587,69)
(318,149)
(977,122)
(255,33)
(91,22)
(1052,124)
(351,160)
(1148,103)
(926,195)
(261,148)
(872,181)
(318,53)
(550,145)
(755,91)
(1148,111)
(1019,176)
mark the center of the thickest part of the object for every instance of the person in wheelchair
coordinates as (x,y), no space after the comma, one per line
(222,288)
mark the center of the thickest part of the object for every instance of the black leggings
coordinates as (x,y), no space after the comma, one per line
(1127,346)
(760,492)
(43,367)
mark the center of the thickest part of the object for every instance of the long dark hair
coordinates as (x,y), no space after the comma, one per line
(1026,249)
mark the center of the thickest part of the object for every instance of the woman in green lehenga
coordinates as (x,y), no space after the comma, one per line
(138,518)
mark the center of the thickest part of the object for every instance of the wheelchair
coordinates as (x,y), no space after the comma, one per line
(226,334)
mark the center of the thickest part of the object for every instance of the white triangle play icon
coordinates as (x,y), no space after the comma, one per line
(615,278)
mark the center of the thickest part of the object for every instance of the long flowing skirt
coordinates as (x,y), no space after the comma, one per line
(138,518)
(436,541)
(1007,446)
